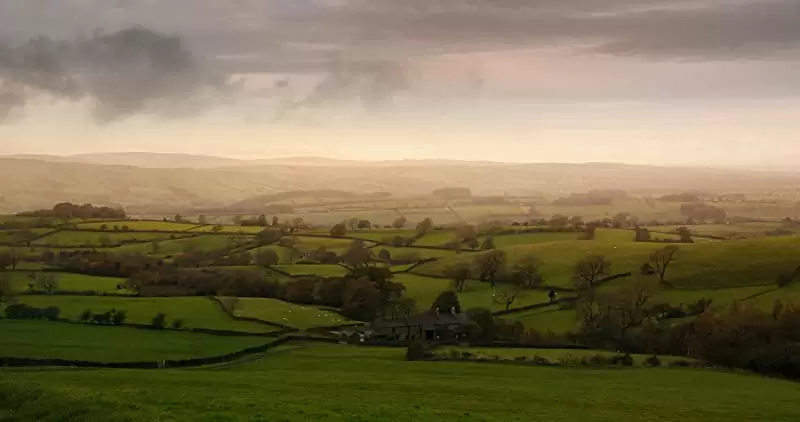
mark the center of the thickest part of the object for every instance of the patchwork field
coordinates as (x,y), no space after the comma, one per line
(100,239)
(68,282)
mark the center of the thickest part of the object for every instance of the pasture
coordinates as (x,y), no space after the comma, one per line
(202,243)
(97,343)
(195,312)
(285,313)
(318,382)
(312,269)
(99,239)
(67,282)
(139,225)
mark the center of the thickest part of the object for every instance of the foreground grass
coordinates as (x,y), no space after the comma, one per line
(55,340)
(196,312)
(365,384)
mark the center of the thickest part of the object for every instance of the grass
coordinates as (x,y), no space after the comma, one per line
(43,339)
(228,229)
(731,231)
(18,236)
(297,316)
(381,235)
(477,295)
(141,225)
(311,269)
(68,282)
(196,312)
(551,318)
(504,241)
(790,293)
(320,382)
(308,243)
(78,238)
(436,238)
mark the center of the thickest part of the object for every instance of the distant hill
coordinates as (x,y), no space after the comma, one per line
(140,159)
(39,183)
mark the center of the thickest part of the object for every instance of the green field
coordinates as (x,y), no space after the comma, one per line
(69,282)
(140,225)
(507,240)
(316,382)
(196,312)
(297,316)
(551,318)
(78,238)
(227,229)
(18,236)
(413,254)
(381,235)
(43,339)
(309,243)
(731,231)
(175,247)
(311,269)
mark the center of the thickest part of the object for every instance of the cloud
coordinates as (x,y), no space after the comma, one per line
(123,73)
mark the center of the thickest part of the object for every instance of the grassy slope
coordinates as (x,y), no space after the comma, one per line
(285,313)
(197,312)
(311,269)
(321,382)
(415,253)
(173,247)
(41,339)
(700,265)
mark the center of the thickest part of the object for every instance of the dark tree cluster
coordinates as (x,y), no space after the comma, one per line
(70,210)
(22,311)
(112,317)
(699,211)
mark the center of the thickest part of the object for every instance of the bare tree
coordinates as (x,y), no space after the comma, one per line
(507,294)
(628,308)
(526,271)
(459,273)
(490,264)
(661,259)
(6,292)
(590,270)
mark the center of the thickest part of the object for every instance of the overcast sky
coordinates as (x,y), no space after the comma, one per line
(640,81)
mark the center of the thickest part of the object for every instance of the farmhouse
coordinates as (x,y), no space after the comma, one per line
(433,325)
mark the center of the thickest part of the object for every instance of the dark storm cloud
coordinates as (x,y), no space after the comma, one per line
(122,73)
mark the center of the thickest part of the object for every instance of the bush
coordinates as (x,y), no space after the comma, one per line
(178,324)
(623,360)
(159,321)
(652,361)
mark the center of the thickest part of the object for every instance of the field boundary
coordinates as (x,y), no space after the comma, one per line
(286,328)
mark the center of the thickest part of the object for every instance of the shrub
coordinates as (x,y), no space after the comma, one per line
(623,360)
(652,361)
(178,324)
(159,321)
(118,317)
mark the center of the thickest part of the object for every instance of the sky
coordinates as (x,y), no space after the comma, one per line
(700,82)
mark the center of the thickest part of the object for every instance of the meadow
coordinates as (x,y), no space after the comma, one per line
(100,239)
(68,282)
(293,315)
(316,382)
(58,340)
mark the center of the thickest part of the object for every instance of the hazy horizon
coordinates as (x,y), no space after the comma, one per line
(676,82)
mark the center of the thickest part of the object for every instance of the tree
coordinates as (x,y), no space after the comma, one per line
(155,247)
(507,294)
(459,273)
(352,223)
(262,221)
(361,299)
(385,256)
(364,224)
(178,218)
(6,292)
(660,261)
(489,265)
(237,220)
(159,321)
(118,317)
(86,315)
(275,221)
(526,272)
(446,302)
(47,283)
(401,308)
(686,235)
(558,221)
(357,255)
(268,236)
(5,260)
(178,324)
(339,230)
(203,220)
(627,309)
(642,235)
(399,223)
(423,227)
(620,220)
(488,243)
(266,258)
(590,270)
